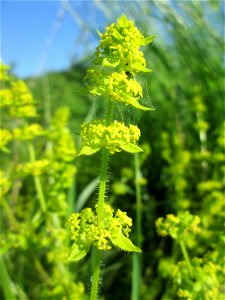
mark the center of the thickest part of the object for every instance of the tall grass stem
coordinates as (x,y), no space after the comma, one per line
(136,259)
(37,180)
(186,257)
(96,259)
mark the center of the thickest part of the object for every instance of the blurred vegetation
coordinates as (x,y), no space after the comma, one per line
(182,168)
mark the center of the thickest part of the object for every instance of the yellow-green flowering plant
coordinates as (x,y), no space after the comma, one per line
(179,228)
(193,278)
(118,59)
(40,159)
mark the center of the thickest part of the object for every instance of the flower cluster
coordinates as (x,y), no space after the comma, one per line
(55,157)
(113,230)
(63,144)
(205,283)
(178,226)
(4,183)
(64,147)
(115,137)
(6,97)
(28,132)
(119,47)
(6,137)
(4,72)
(19,100)
(117,86)
(118,59)
(35,168)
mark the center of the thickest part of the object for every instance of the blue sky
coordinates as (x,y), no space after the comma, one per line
(44,35)
(41,35)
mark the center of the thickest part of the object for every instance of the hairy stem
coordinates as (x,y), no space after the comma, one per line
(37,180)
(102,186)
(136,259)
(101,199)
(96,273)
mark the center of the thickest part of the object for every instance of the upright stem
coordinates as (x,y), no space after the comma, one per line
(96,273)
(9,214)
(37,180)
(7,284)
(136,259)
(102,186)
(138,199)
(101,198)
(186,257)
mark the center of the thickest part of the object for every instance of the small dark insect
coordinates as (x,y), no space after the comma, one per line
(129,74)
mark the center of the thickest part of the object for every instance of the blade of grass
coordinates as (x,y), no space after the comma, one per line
(6,282)
(136,259)
(86,193)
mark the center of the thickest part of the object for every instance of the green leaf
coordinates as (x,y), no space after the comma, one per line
(117,35)
(148,40)
(143,69)
(106,63)
(131,148)
(76,253)
(86,150)
(99,33)
(7,284)
(123,22)
(136,104)
(124,243)
(6,150)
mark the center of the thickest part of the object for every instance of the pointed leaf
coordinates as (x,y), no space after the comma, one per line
(124,243)
(76,253)
(136,104)
(99,33)
(123,22)
(7,284)
(139,67)
(106,63)
(117,35)
(6,150)
(148,40)
(131,148)
(86,150)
